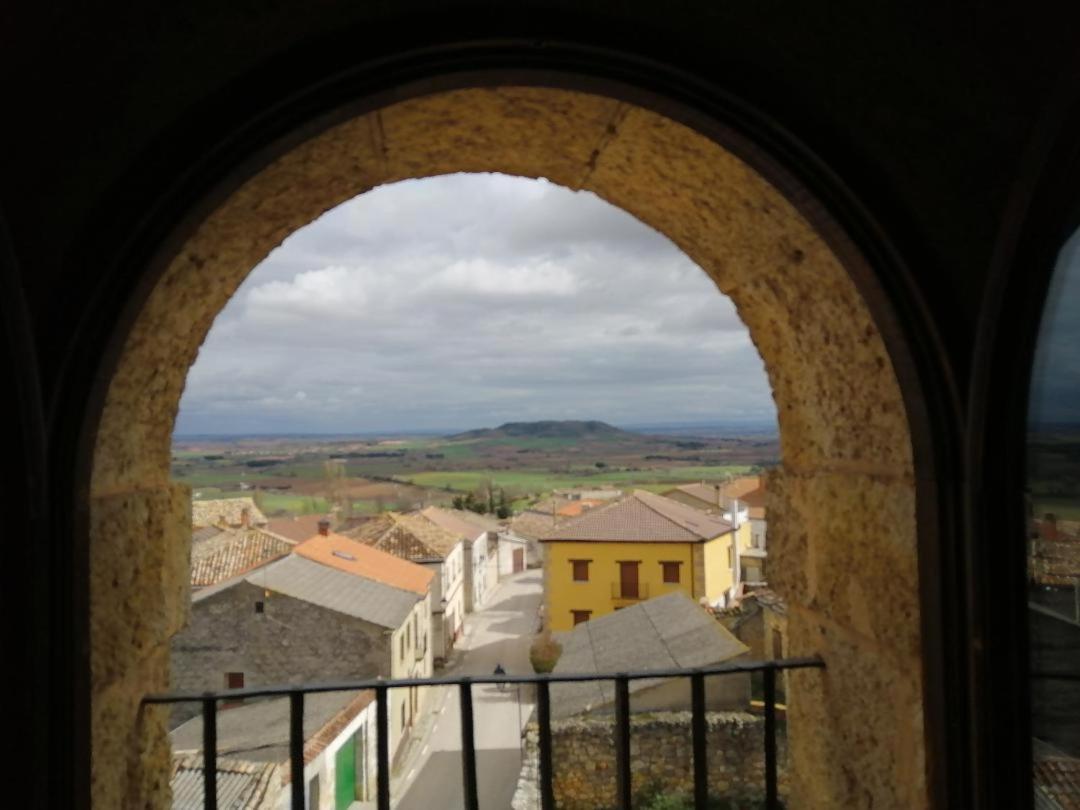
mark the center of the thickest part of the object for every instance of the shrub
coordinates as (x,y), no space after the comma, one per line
(544,652)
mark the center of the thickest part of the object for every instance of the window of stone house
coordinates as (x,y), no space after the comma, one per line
(670,571)
(234,680)
(580,616)
(580,570)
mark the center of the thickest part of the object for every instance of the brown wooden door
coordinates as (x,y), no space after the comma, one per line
(628,580)
(519,560)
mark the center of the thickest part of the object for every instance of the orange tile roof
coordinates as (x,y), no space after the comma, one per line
(296,529)
(355,557)
(575,508)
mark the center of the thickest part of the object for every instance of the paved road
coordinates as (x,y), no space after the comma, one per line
(499,633)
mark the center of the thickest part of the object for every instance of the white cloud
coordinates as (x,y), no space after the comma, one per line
(468,300)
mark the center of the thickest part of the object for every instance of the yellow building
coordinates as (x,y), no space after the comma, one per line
(642,546)
(741,502)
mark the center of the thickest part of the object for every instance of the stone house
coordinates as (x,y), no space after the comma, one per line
(333,608)
(413,538)
(666,632)
(481,571)
(226,512)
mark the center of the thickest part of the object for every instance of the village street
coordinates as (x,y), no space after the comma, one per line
(501,632)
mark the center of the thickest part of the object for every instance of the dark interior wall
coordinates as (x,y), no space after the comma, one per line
(924,112)
(930,116)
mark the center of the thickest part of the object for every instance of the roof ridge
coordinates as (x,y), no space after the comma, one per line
(652,508)
(659,633)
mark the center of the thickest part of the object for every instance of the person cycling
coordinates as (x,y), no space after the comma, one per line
(500,671)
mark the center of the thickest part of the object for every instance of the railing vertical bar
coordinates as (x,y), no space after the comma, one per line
(468,747)
(697,719)
(543,719)
(622,743)
(209,728)
(382,747)
(772,801)
(296,749)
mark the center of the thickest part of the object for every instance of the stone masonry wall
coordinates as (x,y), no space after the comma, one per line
(661,759)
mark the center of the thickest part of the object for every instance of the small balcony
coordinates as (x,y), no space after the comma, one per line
(625,592)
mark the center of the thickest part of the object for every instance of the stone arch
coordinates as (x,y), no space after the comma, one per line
(842,504)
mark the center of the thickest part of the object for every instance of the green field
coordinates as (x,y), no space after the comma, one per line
(544,480)
(271,502)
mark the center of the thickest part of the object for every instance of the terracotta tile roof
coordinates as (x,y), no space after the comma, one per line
(533,524)
(240,785)
(354,557)
(257,733)
(460,522)
(318,742)
(1057,781)
(232,552)
(641,517)
(750,489)
(225,512)
(411,537)
(297,529)
(205,533)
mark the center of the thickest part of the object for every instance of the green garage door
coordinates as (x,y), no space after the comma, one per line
(345,775)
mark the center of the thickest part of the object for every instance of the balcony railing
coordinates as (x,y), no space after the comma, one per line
(629,592)
(464,684)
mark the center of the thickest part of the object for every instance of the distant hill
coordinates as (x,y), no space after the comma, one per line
(547,429)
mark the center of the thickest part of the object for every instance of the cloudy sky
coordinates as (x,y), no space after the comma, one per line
(1055,395)
(467,301)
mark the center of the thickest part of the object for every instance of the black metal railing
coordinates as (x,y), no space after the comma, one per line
(464,684)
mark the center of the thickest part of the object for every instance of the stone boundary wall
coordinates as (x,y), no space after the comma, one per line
(583,749)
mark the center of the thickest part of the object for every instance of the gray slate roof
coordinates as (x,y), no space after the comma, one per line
(667,632)
(240,785)
(336,590)
(259,731)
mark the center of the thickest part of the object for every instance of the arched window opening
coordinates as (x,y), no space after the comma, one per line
(841,503)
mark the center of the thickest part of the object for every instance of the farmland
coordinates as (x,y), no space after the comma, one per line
(307,474)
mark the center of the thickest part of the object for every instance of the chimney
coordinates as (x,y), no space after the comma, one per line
(245,517)
(1049,526)
(324,527)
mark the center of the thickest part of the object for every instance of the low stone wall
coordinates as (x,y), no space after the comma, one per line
(583,749)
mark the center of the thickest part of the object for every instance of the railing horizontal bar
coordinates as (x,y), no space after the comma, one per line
(376,683)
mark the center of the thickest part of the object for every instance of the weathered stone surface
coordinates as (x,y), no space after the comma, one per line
(139,573)
(842,508)
(855,730)
(661,756)
(130,759)
(843,544)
